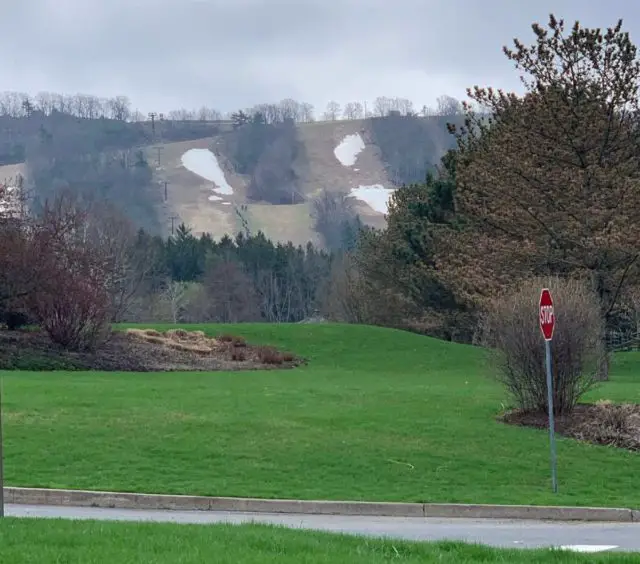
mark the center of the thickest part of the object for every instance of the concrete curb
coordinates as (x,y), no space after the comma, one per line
(82,498)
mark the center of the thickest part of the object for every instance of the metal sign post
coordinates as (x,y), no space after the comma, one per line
(1,458)
(547,326)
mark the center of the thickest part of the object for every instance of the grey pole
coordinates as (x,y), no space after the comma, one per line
(552,431)
(1,458)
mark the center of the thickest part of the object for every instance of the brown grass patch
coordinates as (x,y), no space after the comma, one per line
(235,340)
(178,339)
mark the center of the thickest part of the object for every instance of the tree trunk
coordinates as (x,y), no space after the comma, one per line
(603,368)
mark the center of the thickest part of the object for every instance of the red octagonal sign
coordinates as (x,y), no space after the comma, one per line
(547,317)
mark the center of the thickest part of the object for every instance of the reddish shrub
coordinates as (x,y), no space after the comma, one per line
(76,315)
(269,355)
(238,354)
(71,300)
(233,339)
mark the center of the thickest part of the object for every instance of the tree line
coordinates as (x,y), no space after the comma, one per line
(244,278)
(75,266)
(121,108)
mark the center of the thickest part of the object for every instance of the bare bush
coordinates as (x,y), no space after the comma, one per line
(71,299)
(127,265)
(510,328)
(270,355)
(77,318)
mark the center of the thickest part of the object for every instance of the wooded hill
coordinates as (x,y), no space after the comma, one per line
(281,166)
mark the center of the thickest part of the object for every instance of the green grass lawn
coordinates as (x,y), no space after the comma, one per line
(376,415)
(27,541)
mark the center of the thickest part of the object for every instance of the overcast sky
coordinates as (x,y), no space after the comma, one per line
(226,54)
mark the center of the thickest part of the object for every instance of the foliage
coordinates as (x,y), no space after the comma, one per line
(336,221)
(548,181)
(17,278)
(38,363)
(115,176)
(266,151)
(14,320)
(410,145)
(240,279)
(72,302)
(510,328)
(400,261)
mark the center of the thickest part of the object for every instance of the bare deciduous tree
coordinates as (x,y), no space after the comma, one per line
(120,108)
(174,293)
(332,112)
(306,112)
(353,110)
(448,106)
(230,293)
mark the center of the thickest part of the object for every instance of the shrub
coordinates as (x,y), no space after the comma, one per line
(270,355)
(36,362)
(233,339)
(238,354)
(71,300)
(511,329)
(75,314)
(14,320)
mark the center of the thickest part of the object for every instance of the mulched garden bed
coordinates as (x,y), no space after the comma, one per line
(603,423)
(125,352)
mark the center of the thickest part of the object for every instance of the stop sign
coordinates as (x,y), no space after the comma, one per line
(547,317)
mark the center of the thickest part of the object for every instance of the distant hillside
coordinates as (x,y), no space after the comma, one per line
(294,181)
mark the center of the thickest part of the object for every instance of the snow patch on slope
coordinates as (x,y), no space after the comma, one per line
(204,163)
(348,150)
(375,196)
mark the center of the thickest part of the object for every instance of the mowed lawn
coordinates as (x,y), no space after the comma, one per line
(377,414)
(25,541)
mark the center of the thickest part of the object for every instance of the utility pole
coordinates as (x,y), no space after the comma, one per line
(159,149)
(165,190)
(152,117)
(173,218)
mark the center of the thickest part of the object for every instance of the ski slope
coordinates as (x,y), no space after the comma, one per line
(205,164)
(375,196)
(348,150)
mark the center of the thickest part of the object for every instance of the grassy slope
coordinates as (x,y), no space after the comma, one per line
(27,541)
(377,415)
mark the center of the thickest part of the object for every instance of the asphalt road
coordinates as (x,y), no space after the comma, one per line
(583,537)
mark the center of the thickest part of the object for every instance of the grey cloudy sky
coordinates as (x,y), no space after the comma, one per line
(168,54)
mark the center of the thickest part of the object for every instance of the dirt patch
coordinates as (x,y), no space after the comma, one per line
(141,350)
(603,423)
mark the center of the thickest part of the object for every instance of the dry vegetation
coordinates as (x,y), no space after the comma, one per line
(604,423)
(142,350)
(510,330)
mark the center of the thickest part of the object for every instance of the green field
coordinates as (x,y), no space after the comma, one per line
(376,415)
(27,541)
